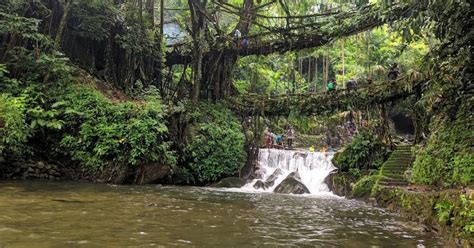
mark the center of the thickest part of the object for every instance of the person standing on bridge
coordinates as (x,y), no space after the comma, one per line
(350,85)
(393,72)
(331,85)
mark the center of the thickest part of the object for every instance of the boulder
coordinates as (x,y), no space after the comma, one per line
(259,185)
(151,173)
(292,185)
(229,182)
(40,164)
(340,183)
(273,177)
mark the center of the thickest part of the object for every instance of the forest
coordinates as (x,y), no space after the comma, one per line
(101,87)
(184,92)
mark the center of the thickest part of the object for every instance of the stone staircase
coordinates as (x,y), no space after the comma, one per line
(392,172)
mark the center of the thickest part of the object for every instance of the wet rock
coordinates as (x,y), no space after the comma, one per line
(340,183)
(151,173)
(229,182)
(291,185)
(40,165)
(273,177)
(259,185)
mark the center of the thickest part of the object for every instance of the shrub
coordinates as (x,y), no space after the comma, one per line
(100,133)
(365,151)
(14,131)
(447,158)
(216,148)
(363,187)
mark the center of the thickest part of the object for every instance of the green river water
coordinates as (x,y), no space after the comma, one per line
(67,214)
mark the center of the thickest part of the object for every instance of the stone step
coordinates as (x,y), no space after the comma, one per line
(396,166)
(402,153)
(400,158)
(390,179)
(393,183)
(404,147)
(398,163)
(394,170)
(393,177)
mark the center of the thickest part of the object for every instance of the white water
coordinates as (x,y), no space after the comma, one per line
(313,168)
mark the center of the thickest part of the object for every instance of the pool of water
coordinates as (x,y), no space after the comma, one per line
(68,214)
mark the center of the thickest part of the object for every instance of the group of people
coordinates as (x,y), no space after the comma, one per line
(280,141)
(393,73)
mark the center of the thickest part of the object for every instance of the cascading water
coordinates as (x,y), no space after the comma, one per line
(312,167)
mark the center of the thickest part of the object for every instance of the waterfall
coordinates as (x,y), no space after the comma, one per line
(312,167)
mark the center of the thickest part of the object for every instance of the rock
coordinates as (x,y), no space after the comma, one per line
(30,169)
(291,185)
(150,173)
(340,183)
(271,179)
(229,182)
(40,165)
(259,185)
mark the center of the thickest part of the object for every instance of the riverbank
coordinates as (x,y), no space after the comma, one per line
(446,212)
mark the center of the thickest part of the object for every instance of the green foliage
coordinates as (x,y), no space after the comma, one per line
(447,158)
(443,211)
(101,133)
(466,215)
(363,187)
(216,148)
(364,151)
(14,131)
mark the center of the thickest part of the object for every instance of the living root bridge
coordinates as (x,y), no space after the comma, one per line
(326,103)
(298,37)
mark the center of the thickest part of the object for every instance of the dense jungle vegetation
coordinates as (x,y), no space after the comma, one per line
(108,88)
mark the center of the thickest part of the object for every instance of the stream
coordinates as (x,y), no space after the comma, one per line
(70,214)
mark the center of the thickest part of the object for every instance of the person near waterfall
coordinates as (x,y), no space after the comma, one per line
(268,138)
(290,135)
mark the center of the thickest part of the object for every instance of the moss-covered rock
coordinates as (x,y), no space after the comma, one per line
(363,187)
(229,182)
(449,211)
(340,183)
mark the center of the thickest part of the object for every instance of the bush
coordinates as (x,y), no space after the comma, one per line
(100,133)
(363,187)
(365,151)
(447,159)
(216,148)
(14,131)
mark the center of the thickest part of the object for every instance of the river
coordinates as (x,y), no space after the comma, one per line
(69,214)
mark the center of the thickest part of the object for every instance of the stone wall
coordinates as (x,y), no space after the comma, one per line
(448,212)
(30,170)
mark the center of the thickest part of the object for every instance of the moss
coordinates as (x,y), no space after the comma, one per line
(363,187)
(447,158)
(450,211)
(340,183)
(365,151)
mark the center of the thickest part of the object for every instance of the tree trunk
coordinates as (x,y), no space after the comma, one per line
(150,9)
(62,23)
(197,24)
